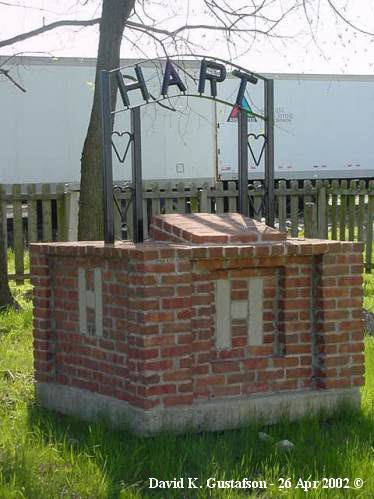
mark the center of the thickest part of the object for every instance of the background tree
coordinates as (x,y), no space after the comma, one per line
(115,13)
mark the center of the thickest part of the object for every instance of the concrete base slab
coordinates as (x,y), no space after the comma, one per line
(209,415)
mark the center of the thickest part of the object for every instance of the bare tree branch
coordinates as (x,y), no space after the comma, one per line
(45,28)
(29,7)
(347,21)
(250,19)
(5,72)
(189,27)
(237,13)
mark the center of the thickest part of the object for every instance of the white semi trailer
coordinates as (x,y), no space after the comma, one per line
(323,128)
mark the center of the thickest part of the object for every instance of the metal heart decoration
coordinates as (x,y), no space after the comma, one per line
(253,153)
(117,148)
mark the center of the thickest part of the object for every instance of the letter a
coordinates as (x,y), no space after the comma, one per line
(171,77)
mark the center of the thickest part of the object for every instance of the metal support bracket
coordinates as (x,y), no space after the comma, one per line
(123,211)
(269,153)
(243,162)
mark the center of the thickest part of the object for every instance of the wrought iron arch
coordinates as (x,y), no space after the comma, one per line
(172,64)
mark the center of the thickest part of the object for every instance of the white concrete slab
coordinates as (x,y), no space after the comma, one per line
(256,311)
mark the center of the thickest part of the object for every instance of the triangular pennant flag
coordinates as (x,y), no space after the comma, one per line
(235,110)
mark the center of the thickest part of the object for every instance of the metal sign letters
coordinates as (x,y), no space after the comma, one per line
(212,72)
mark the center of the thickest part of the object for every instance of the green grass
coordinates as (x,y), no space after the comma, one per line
(46,455)
(369,291)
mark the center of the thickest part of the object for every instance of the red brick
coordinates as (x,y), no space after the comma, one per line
(210,380)
(249,388)
(285,361)
(358,358)
(270,375)
(358,381)
(185,387)
(239,342)
(240,377)
(175,351)
(290,384)
(336,338)
(355,280)
(261,251)
(339,360)
(86,385)
(335,292)
(239,295)
(336,383)
(176,327)
(184,290)
(225,367)
(327,349)
(215,252)
(180,375)
(159,316)
(185,362)
(184,339)
(159,390)
(43,355)
(226,391)
(261,350)
(158,365)
(300,372)
(255,363)
(352,371)
(212,264)
(352,325)
(176,279)
(204,287)
(148,353)
(159,291)
(176,303)
(298,349)
(202,369)
(184,314)
(296,304)
(158,268)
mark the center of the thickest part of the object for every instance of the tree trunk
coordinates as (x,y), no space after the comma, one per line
(6,299)
(91,221)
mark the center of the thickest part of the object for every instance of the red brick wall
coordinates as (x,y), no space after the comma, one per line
(340,329)
(158,343)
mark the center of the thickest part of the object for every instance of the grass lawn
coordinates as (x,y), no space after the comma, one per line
(45,455)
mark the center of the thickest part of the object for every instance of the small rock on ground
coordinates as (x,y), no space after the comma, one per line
(369,322)
(264,436)
(285,445)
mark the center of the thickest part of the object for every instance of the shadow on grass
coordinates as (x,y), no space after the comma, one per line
(335,445)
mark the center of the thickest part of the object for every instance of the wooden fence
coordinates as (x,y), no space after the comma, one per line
(36,213)
(340,210)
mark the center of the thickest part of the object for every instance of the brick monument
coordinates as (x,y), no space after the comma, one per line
(215,319)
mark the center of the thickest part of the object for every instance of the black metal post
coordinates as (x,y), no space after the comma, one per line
(137,184)
(269,153)
(243,163)
(107,157)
